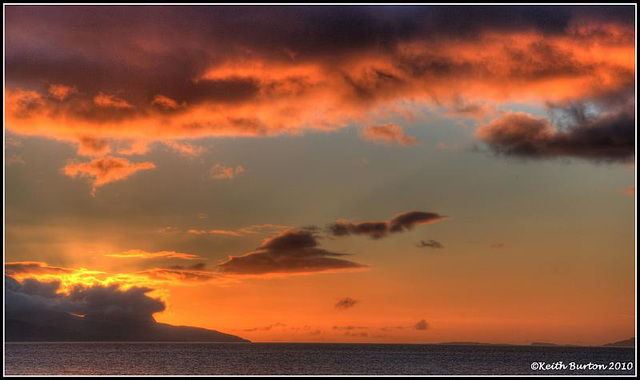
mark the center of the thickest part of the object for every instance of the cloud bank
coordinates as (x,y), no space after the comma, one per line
(73,76)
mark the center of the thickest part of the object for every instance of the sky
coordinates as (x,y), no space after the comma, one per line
(329,174)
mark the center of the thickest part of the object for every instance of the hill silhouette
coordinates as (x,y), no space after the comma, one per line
(71,328)
(631,342)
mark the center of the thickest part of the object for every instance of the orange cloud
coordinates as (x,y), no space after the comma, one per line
(89,146)
(219,171)
(103,100)
(133,147)
(250,230)
(286,255)
(225,232)
(388,134)
(140,254)
(265,82)
(165,102)
(104,170)
(61,92)
(157,278)
(41,271)
(184,149)
(260,95)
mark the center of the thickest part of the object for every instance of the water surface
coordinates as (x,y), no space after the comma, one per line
(299,359)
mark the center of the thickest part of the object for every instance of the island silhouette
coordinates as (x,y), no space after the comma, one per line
(36,311)
(70,328)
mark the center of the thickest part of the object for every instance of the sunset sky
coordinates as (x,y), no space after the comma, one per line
(330,174)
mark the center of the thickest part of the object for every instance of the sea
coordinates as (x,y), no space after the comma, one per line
(312,359)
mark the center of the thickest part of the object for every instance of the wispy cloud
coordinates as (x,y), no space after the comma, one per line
(140,254)
(61,92)
(184,149)
(103,100)
(430,244)
(219,171)
(249,230)
(387,134)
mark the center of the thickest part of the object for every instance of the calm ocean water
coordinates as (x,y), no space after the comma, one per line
(293,358)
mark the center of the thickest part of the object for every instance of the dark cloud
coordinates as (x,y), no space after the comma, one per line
(112,303)
(407,220)
(33,302)
(36,288)
(375,230)
(31,299)
(40,311)
(309,31)
(430,244)
(32,267)
(609,136)
(346,303)
(378,229)
(196,266)
(421,325)
(289,252)
(291,239)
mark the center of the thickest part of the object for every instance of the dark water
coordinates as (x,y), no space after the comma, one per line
(293,358)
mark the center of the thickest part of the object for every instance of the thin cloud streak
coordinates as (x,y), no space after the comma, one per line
(379,229)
